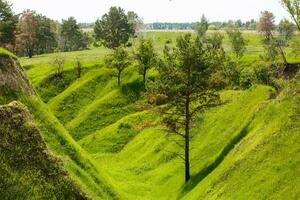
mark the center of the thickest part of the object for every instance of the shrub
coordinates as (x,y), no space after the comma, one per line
(212,27)
(232,72)
(133,89)
(262,73)
(247,77)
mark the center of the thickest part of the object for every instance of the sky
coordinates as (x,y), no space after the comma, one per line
(154,10)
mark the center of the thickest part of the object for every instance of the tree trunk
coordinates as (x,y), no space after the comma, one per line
(283,56)
(119,78)
(30,53)
(144,75)
(187,139)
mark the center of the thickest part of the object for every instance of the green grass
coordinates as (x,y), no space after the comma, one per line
(245,148)
(145,163)
(6,52)
(28,170)
(266,163)
(76,161)
(40,67)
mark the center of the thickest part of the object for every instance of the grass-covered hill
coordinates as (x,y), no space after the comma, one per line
(83,171)
(28,170)
(113,146)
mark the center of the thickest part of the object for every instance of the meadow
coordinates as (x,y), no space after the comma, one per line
(115,147)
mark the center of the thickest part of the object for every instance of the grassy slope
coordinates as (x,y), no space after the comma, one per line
(40,67)
(145,168)
(133,150)
(77,162)
(28,170)
(265,165)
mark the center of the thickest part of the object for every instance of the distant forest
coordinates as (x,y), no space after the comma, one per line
(248,25)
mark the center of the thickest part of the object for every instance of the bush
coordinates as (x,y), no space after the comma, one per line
(218,80)
(232,72)
(133,89)
(247,77)
(212,27)
(124,126)
(258,73)
(263,74)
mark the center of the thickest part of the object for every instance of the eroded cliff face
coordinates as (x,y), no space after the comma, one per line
(13,77)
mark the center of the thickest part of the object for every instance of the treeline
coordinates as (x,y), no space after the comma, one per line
(248,25)
(30,33)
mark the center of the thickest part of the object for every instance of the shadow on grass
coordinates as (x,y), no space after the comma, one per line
(197,178)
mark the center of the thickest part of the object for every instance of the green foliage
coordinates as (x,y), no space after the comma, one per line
(212,27)
(8,23)
(36,34)
(258,73)
(59,63)
(119,60)
(72,38)
(295,46)
(215,40)
(232,72)
(146,56)
(238,43)
(293,8)
(201,27)
(286,31)
(114,28)
(133,90)
(184,79)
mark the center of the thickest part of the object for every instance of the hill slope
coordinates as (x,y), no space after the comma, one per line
(246,148)
(264,165)
(28,170)
(15,86)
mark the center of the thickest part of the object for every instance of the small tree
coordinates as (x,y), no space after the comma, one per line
(266,26)
(286,31)
(78,67)
(146,56)
(237,41)
(26,38)
(184,79)
(114,29)
(119,60)
(215,40)
(293,8)
(201,27)
(72,38)
(59,63)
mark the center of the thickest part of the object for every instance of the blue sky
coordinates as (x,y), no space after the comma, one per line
(154,10)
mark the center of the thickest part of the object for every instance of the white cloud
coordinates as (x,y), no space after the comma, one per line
(154,10)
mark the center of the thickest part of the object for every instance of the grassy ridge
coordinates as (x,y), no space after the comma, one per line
(233,143)
(76,160)
(267,160)
(146,166)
